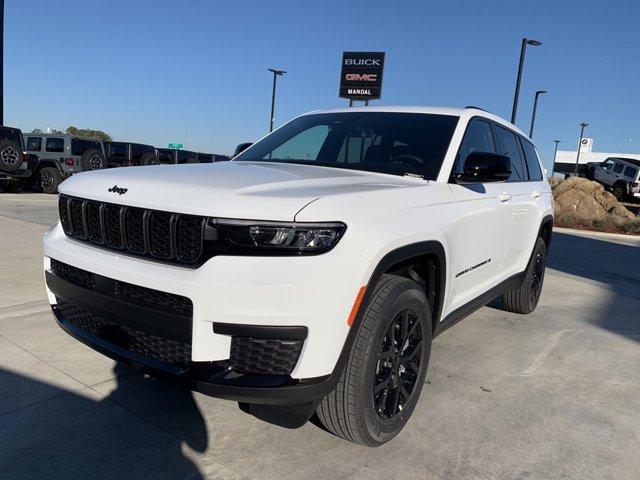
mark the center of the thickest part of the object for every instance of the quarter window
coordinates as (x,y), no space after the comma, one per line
(631,172)
(618,168)
(508,145)
(531,157)
(34,144)
(55,144)
(80,145)
(477,138)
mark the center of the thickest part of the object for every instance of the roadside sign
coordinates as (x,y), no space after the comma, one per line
(176,146)
(361,75)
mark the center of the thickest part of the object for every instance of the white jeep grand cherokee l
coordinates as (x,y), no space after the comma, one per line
(311,273)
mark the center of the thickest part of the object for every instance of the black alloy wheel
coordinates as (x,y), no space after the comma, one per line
(398,364)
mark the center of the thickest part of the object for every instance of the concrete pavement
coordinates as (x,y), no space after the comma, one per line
(555,394)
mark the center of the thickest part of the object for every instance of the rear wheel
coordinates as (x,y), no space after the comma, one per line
(92,160)
(524,299)
(387,364)
(50,178)
(10,156)
(619,192)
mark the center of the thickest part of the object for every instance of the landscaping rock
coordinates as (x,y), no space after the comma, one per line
(586,200)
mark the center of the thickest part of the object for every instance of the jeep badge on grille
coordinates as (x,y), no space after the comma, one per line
(118,190)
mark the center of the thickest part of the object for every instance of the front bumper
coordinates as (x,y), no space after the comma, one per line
(316,293)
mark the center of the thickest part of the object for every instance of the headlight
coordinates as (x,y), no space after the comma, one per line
(262,237)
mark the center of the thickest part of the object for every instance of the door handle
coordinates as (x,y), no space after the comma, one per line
(504,197)
(536,194)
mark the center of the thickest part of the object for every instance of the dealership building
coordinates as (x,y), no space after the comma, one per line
(565,161)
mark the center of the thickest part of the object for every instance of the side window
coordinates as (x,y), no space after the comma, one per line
(118,150)
(508,145)
(477,138)
(137,151)
(55,144)
(34,144)
(531,157)
(631,172)
(618,168)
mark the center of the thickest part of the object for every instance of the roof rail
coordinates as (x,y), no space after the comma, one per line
(478,108)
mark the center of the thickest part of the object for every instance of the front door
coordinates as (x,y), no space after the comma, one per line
(484,222)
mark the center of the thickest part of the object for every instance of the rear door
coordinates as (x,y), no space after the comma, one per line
(484,222)
(530,197)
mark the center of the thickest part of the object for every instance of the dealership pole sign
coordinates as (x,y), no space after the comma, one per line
(361,77)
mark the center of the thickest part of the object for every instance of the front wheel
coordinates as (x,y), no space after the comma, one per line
(387,364)
(524,298)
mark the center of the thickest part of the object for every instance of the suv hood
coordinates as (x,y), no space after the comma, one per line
(257,191)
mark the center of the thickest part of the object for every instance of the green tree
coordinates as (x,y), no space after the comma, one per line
(86,132)
(53,130)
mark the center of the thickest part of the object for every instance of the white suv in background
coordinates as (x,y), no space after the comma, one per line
(311,273)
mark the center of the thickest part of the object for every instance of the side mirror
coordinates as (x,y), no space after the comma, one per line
(241,148)
(481,167)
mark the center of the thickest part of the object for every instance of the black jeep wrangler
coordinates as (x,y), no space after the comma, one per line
(127,154)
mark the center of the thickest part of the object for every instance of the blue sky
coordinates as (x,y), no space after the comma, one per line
(133,68)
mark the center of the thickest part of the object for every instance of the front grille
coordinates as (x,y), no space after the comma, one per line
(264,356)
(147,297)
(172,237)
(143,343)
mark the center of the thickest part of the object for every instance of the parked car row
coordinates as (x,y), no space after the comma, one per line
(47,159)
(620,175)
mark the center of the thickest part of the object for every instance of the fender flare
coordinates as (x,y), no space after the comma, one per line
(546,220)
(391,258)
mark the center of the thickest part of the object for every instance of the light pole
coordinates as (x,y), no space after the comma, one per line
(276,73)
(523,48)
(186,125)
(555,154)
(533,114)
(582,127)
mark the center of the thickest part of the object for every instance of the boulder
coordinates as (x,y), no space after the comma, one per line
(580,204)
(622,212)
(607,200)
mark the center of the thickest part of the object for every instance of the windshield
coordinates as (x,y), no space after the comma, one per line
(384,142)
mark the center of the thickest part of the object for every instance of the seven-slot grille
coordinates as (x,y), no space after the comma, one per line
(172,237)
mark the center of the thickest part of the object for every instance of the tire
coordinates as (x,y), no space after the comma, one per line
(149,159)
(92,160)
(50,178)
(351,411)
(619,192)
(11,156)
(524,298)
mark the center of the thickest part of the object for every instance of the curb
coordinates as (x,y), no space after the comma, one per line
(591,233)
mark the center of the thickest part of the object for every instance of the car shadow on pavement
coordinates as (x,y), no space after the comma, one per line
(614,264)
(85,434)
